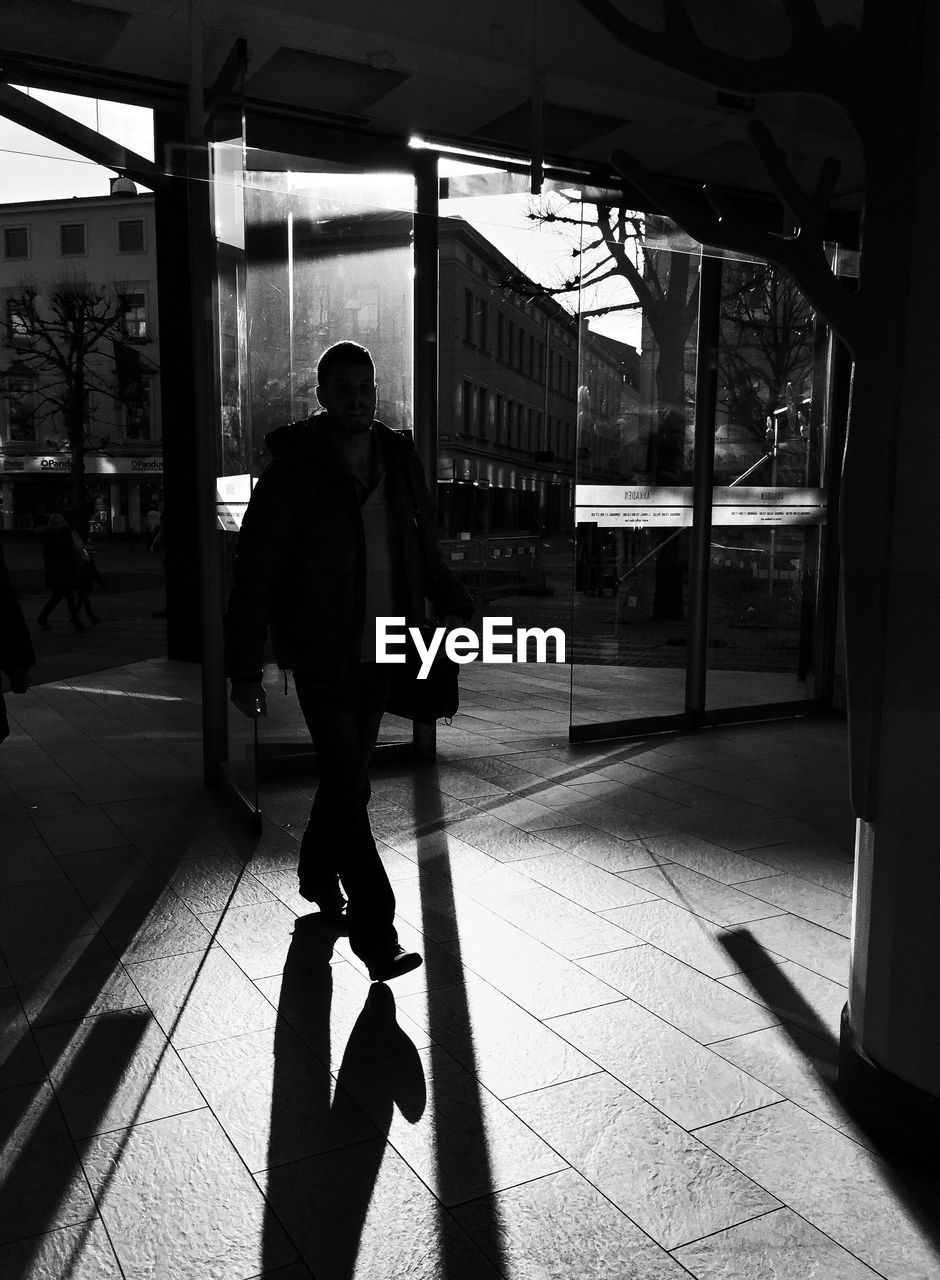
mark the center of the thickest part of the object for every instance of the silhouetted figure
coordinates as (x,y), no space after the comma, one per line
(16,647)
(61,567)
(339,531)
(87,576)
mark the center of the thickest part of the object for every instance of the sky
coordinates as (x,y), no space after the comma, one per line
(33,168)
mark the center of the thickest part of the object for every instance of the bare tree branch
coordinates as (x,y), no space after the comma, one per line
(802,255)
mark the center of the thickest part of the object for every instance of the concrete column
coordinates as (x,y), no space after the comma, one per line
(890,1050)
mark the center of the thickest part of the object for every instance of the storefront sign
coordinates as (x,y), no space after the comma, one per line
(96,464)
(618,506)
(670,507)
(737,504)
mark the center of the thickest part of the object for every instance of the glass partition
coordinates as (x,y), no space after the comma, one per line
(571,431)
(322,253)
(769,509)
(636,427)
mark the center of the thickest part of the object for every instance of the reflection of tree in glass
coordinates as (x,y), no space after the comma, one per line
(69,353)
(765,353)
(661,275)
(662,282)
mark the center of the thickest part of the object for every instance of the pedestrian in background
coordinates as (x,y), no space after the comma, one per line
(16,648)
(59,561)
(87,576)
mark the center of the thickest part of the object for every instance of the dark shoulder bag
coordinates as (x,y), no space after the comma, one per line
(437,697)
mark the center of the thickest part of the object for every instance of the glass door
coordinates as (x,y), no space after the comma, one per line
(634,482)
(702,518)
(323,253)
(770,499)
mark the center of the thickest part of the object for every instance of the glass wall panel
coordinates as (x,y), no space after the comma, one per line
(634,470)
(325,256)
(769,503)
(510,342)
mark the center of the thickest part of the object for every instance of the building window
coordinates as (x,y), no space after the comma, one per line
(467,416)
(137,420)
(484,314)
(483,408)
(134,319)
(19,405)
(468,310)
(71,239)
(19,322)
(511,351)
(498,413)
(500,336)
(16,242)
(131,235)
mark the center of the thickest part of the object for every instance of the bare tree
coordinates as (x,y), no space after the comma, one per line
(765,346)
(663,284)
(68,344)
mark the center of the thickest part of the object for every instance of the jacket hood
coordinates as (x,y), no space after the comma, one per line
(311,432)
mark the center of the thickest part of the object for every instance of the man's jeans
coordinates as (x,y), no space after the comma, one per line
(343,718)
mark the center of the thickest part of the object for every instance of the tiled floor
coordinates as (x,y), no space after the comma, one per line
(617,1061)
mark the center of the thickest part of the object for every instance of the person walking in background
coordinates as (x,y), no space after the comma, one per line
(86,577)
(59,560)
(16,647)
(339,531)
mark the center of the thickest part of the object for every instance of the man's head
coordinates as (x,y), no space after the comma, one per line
(346,386)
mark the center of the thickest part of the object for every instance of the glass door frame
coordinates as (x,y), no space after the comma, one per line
(283,138)
(696,714)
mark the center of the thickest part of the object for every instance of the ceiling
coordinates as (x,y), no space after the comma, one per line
(460,71)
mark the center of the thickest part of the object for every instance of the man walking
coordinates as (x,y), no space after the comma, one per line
(339,531)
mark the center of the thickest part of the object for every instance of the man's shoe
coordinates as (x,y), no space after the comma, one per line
(392,964)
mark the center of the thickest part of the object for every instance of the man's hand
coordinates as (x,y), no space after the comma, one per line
(19,680)
(250,698)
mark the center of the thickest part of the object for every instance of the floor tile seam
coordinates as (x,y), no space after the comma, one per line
(671,1123)
(883,1164)
(774,958)
(780,1207)
(506,919)
(694,1043)
(810,973)
(719,982)
(81,1224)
(792,911)
(723,884)
(652,1242)
(782,871)
(117,968)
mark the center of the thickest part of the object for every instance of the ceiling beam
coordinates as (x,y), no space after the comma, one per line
(57,127)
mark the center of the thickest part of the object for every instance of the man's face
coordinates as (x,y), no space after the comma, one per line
(348,396)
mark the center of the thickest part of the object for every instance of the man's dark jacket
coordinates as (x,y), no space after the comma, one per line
(300,558)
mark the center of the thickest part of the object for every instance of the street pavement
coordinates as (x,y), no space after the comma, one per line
(128,631)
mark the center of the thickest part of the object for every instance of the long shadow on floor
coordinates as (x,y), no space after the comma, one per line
(324,1155)
(914,1187)
(333,1182)
(43,1181)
